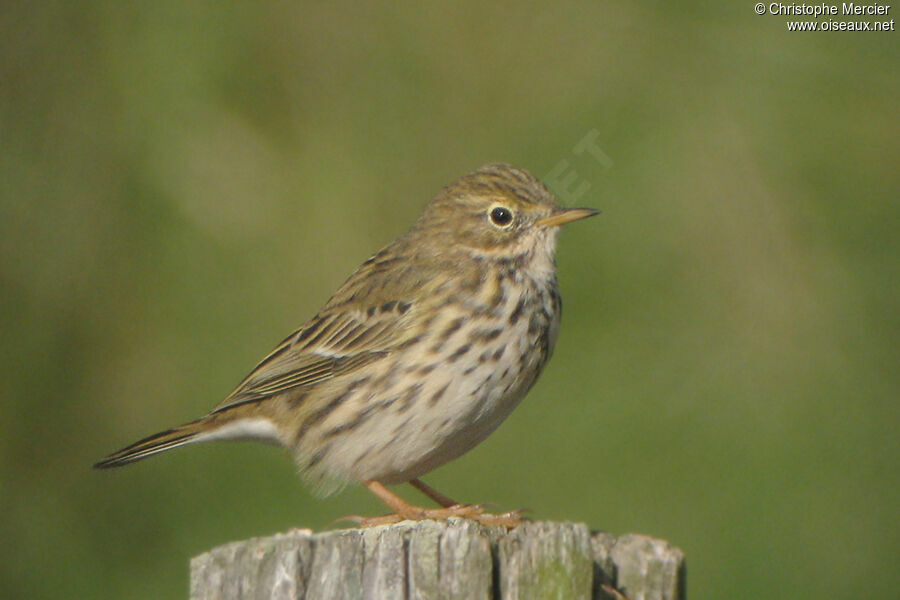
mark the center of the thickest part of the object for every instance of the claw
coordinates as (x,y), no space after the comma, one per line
(383,520)
(509,519)
(352,518)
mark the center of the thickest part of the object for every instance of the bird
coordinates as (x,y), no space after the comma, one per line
(420,355)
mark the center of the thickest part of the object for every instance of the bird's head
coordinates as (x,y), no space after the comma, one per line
(498,211)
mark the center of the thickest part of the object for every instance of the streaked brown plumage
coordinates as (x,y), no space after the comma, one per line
(420,355)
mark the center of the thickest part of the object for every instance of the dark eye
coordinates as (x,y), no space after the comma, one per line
(501,216)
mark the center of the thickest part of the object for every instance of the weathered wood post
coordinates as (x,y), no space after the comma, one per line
(442,560)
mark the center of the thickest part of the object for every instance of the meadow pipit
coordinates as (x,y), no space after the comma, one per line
(418,357)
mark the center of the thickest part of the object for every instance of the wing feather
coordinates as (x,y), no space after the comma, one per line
(340,340)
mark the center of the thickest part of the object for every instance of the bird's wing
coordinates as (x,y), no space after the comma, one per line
(353,329)
(334,342)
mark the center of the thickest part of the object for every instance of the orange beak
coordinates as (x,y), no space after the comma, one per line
(566,215)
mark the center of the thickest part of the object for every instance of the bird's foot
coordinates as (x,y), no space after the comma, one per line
(474,512)
(404,511)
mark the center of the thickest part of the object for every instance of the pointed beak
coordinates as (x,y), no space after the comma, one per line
(566,215)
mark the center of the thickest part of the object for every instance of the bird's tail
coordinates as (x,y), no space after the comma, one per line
(195,431)
(243,422)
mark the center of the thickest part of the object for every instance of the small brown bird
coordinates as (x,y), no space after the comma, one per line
(417,358)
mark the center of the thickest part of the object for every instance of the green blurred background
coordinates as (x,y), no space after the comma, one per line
(183,184)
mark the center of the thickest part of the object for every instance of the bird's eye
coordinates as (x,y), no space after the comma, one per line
(501,216)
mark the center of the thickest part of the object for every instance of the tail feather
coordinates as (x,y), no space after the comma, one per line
(237,423)
(154,444)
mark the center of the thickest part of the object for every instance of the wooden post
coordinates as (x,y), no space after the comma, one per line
(442,560)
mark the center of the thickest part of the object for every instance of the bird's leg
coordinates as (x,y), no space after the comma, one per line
(397,504)
(403,510)
(432,493)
